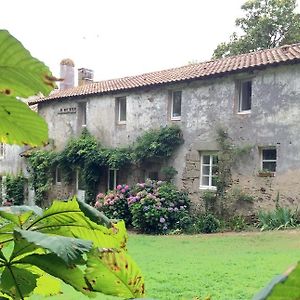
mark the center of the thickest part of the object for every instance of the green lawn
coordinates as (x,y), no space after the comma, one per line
(225,266)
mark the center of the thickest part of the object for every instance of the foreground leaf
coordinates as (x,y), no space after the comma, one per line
(67,219)
(17,282)
(114,273)
(19,124)
(282,287)
(21,74)
(47,286)
(56,267)
(68,249)
(94,215)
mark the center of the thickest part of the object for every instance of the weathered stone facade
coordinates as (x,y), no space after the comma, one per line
(206,104)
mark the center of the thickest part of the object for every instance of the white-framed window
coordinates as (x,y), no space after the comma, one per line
(269,159)
(121,110)
(82,114)
(58,176)
(112,179)
(2,150)
(208,170)
(244,96)
(176,105)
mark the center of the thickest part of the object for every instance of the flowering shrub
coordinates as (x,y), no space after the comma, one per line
(157,206)
(150,207)
(114,203)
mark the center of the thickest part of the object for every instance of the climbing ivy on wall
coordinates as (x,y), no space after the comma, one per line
(228,155)
(41,164)
(157,143)
(86,154)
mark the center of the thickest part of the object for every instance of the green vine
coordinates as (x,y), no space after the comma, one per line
(88,156)
(41,163)
(227,157)
(157,143)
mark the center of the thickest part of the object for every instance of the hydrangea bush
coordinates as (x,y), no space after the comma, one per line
(114,203)
(152,206)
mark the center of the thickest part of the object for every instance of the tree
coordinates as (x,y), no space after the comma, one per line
(266,24)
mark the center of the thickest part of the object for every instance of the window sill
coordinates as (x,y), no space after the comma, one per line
(121,123)
(266,174)
(244,112)
(211,188)
(175,118)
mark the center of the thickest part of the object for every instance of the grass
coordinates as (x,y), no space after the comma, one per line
(223,266)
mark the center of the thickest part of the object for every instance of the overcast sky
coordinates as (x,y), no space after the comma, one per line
(117,38)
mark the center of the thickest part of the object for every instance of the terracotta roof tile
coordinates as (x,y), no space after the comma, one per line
(243,62)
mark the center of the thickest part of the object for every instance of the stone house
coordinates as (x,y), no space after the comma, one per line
(255,97)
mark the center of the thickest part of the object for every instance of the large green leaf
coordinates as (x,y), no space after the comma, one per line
(19,124)
(114,273)
(15,216)
(94,215)
(56,267)
(17,282)
(67,219)
(20,74)
(21,209)
(282,287)
(19,215)
(68,249)
(47,286)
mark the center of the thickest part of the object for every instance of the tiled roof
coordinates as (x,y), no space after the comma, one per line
(286,54)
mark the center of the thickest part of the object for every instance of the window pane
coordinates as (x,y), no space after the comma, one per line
(153,175)
(245,95)
(215,159)
(82,113)
(206,159)
(81,182)
(205,170)
(214,170)
(205,180)
(122,109)
(176,104)
(214,181)
(269,154)
(269,166)
(58,175)
(111,179)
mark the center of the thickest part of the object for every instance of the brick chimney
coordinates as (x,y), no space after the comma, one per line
(85,76)
(67,73)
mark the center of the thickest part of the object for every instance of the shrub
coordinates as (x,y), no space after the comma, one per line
(236,223)
(240,195)
(115,204)
(280,218)
(207,223)
(158,207)
(150,207)
(15,189)
(209,198)
(168,173)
